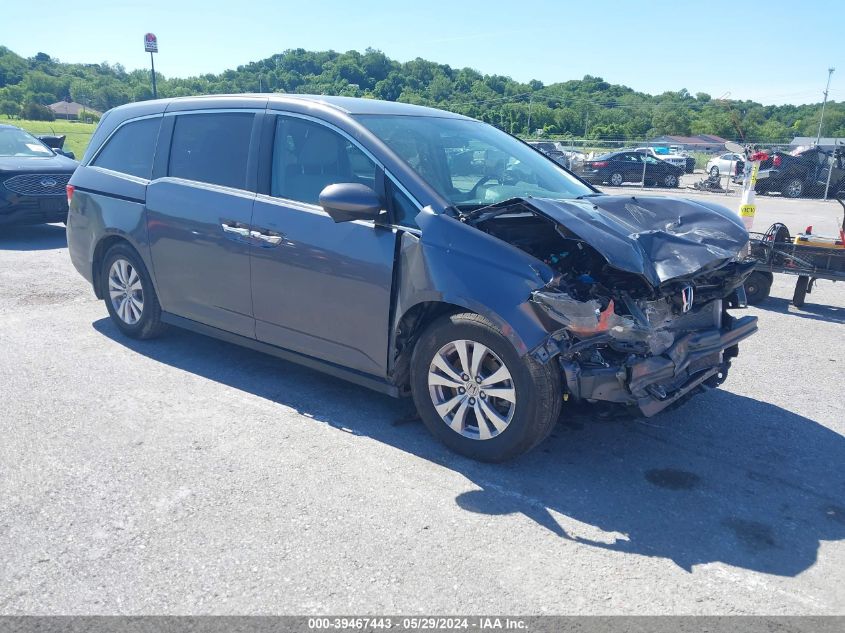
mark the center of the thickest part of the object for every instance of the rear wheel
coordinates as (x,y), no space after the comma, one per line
(616,179)
(477,395)
(794,188)
(129,294)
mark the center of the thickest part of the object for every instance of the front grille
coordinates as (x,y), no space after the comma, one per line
(38,184)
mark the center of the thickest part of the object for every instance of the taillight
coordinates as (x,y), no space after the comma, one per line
(776,161)
(69,189)
(601,163)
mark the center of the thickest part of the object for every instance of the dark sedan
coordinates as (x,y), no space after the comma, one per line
(617,168)
(33,178)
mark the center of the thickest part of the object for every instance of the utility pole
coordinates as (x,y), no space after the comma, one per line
(824,103)
(530,103)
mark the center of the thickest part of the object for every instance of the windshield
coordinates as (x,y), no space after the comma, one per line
(470,163)
(16,142)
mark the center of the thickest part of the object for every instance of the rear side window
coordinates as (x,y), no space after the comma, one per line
(130,150)
(211,148)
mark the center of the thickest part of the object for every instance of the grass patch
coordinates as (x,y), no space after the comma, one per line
(78,134)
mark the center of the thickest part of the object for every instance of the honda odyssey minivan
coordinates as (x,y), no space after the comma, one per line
(410,250)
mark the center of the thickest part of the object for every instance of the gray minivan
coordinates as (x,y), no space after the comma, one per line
(410,250)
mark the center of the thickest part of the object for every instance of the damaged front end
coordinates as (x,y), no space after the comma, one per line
(637,308)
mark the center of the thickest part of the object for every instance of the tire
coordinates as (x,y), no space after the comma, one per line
(794,188)
(758,285)
(134,308)
(670,181)
(616,179)
(800,291)
(522,420)
(714,171)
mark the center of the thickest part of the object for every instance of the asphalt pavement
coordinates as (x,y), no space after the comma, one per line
(189,476)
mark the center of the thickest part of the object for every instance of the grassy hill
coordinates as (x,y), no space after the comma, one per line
(578,108)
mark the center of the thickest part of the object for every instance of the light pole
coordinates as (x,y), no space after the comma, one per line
(824,103)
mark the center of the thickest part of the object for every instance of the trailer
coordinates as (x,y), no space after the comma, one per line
(806,256)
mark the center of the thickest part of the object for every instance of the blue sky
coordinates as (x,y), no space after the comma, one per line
(650,45)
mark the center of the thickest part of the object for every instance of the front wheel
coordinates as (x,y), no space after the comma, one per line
(616,179)
(758,285)
(129,294)
(477,395)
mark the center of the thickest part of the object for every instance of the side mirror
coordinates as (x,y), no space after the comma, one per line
(347,201)
(66,153)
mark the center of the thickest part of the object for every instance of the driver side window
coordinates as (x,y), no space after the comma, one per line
(307,157)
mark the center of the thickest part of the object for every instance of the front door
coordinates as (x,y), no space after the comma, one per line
(320,288)
(198,219)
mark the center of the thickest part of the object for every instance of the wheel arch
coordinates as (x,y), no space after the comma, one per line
(417,318)
(102,247)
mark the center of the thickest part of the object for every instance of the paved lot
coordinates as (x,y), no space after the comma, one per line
(186,475)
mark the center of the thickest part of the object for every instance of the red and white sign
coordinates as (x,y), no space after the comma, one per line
(150,43)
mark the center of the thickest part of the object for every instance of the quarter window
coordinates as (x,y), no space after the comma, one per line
(130,150)
(211,148)
(307,157)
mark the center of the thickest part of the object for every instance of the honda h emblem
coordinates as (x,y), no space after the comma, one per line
(687,297)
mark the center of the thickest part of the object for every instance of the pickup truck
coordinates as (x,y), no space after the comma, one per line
(687,163)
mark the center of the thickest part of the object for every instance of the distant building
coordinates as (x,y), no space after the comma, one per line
(70,110)
(698,143)
(825,142)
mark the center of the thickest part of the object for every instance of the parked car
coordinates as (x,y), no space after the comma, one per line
(550,150)
(802,175)
(729,164)
(32,179)
(663,153)
(485,281)
(617,168)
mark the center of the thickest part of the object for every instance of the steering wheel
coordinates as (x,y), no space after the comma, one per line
(483,180)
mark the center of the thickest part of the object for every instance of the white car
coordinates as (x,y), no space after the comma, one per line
(675,159)
(724,164)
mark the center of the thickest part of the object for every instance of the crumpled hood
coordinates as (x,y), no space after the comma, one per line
(659,238)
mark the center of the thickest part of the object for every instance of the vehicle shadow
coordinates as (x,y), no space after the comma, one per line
(813,311)
(723,479)
(39,237)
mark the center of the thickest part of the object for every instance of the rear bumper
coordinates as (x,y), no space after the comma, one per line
(655,382)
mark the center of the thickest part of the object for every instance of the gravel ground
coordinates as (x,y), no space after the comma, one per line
(189,476)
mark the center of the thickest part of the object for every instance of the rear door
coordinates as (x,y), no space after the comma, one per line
(198,217)
(320,288)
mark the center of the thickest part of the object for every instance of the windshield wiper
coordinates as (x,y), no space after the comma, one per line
(589,195)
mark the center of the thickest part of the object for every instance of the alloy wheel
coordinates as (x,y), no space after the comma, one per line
(794,189)
(670,181)
(472,390)
(125,291)
(616,180)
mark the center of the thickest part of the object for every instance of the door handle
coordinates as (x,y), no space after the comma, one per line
(271,238)
(235,228)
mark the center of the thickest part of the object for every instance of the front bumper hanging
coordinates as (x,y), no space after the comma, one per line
(653,383)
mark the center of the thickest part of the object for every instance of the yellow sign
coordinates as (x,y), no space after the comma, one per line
(747,210)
